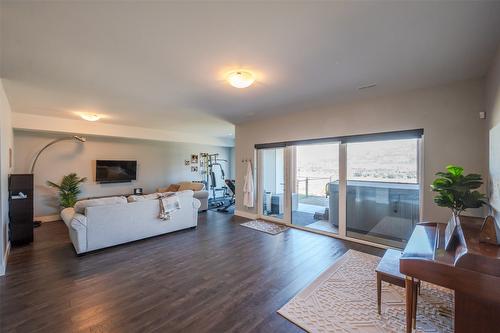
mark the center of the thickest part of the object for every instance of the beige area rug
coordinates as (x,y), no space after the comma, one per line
(267,227)
(344,299)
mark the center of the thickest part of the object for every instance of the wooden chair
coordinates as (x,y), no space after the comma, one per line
(388,271)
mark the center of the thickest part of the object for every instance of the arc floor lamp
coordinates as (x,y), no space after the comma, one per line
(32,169)
(74,137)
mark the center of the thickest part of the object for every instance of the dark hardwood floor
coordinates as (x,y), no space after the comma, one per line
(220,277)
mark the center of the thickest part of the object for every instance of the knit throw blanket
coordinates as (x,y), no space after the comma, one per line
(169,203)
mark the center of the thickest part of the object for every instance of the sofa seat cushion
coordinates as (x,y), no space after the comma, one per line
(82,204)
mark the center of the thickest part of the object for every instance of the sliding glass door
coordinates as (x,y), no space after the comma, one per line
(272,183)
(364,188)
(382,191)
(315,184)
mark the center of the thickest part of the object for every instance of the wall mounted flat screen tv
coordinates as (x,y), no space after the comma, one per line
(115,171)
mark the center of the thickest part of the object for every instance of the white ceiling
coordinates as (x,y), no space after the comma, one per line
(161,64)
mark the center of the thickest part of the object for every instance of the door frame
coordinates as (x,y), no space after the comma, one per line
(342,231)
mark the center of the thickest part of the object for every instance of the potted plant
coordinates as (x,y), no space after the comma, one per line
(69,189)
(458,191)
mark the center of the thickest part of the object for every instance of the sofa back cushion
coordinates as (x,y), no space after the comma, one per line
(82,204)
(191,186)
(137,198)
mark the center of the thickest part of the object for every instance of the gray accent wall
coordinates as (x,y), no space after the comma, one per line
(159,164)
(449,115)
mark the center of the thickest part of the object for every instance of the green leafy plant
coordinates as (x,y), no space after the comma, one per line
(68,189)
(457,191)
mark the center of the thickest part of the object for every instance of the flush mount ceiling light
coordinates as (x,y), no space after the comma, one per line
(240,79)
(90,116)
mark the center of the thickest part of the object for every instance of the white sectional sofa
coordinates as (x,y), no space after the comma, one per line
(114,221)
(199,190)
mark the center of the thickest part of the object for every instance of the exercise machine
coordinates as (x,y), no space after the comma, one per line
(232,192)
(222,197)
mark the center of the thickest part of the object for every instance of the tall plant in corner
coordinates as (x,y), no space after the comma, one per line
(69,189)
(458,191)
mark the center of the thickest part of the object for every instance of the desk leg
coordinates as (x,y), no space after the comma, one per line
(379,293)
(410,285)
(414,306)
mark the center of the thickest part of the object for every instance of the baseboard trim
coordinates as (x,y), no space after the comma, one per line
(48,218)
(3,267)
(247,215)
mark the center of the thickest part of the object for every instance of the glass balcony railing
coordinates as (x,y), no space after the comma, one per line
(380,212)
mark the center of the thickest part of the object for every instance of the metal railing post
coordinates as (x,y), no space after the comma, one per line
(307,187)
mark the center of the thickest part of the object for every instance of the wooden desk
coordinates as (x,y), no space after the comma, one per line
(470,268)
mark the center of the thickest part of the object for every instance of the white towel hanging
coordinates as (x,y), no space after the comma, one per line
(248,188)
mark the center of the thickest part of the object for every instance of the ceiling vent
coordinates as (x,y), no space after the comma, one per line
(371,85)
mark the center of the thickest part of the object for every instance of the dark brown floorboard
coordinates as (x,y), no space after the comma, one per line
(220,277)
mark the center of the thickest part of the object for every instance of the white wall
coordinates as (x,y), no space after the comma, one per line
(493,92)
(449,115)
(493,114)
(159,163)
(233,164)
(5,145)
